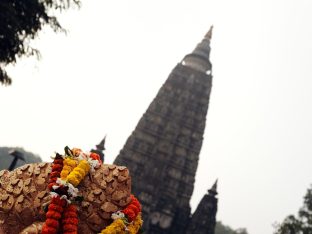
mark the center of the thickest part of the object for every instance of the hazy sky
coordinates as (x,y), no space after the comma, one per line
(101,77)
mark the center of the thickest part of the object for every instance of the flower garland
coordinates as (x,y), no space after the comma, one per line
(136,225)
(128,220)
(53,216)
(69,165)
(57,167)
(70,220)
(67,173)
(79,172)
(133,209)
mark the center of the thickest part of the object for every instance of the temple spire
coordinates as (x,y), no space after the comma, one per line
(199,58)
(162,152)
(213,189)
(203,221)
(209,33)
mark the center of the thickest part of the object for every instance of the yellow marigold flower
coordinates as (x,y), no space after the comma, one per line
(68,165)
(79,172)
(116,227)
(73,180)
(84,165)
(135,226)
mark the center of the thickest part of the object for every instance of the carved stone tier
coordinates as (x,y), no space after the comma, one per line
(162,152)
(24,191)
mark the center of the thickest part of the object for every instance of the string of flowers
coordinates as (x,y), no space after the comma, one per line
(79,172)
(55,208)
(133,209)
(69,165)
(126,221)
(70,220)
(67,172)
(57,167)
(53,216)
(136,225)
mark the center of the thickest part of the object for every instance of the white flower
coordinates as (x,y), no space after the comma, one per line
(53,194)
(93,163)
(72,190)
(117,215)
(60,181)
(55,187)
(65,198)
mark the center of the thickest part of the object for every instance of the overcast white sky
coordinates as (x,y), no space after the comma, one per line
(101,77)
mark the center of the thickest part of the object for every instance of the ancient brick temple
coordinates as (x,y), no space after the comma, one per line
(162,152)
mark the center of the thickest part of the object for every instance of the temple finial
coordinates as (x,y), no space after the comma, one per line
(213,189)
(102,144)
(209,33)
(199,58)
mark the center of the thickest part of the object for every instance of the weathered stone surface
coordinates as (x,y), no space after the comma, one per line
(203,220)
(162,152)
(24,191)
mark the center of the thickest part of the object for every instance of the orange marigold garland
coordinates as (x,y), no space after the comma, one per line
(136,225)
(133,209)
(57,167)
(69,165)
(55,208)
(67,172)
(95,156)
(79,172)
(127,221)
(53,216)
(70,220)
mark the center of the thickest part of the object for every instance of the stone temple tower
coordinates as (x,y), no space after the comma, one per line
(162,152)
(203,220)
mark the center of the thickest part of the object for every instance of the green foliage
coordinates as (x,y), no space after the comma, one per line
(6,159)
(20,21)
(223,229)
(301,224)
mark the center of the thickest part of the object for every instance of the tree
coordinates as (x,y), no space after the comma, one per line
(223,229)
(20,22)
(301,224)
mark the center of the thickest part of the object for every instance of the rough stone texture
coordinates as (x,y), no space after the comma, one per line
(24,191)
(162,152)
(203,220)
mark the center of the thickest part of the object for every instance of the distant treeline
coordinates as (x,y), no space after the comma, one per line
(223,229)
(6,158)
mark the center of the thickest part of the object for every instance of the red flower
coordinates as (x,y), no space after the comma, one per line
(57,167)
(53,215)
(95,156)
(130,214)
(133,209)
(70,220)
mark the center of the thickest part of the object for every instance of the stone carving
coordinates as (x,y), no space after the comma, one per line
(24,193)
(172,128)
